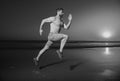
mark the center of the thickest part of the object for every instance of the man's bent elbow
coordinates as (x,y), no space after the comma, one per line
(43,21)
(66,28)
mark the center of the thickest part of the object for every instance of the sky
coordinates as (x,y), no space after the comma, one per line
(20,19)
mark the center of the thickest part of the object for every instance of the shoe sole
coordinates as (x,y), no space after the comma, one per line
(35,61)
(59,54)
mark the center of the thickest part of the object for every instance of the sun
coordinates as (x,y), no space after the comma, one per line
(106,34)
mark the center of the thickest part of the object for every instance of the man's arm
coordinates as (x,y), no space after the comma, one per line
(69,22)
(50,19)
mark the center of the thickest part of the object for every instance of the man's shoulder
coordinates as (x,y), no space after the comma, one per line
(52,17)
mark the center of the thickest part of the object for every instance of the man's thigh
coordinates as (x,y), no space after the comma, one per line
(56,37)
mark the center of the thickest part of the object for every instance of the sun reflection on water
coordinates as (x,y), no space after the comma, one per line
(107,51)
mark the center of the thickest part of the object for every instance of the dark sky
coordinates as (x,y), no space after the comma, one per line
(20,19)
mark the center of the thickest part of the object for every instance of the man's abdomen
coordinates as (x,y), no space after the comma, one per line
(54,28)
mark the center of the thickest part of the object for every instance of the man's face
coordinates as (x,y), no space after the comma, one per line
(60,12)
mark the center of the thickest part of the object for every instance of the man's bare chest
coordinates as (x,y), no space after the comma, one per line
(57,22)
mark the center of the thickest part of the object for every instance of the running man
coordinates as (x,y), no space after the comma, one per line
(56,23)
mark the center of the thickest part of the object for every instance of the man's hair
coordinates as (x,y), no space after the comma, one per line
(58,9)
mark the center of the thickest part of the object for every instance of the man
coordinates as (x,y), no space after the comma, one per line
(56,23)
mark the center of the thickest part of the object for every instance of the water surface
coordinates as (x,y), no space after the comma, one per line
(81,64)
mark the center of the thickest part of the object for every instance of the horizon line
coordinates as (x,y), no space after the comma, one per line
(69,41)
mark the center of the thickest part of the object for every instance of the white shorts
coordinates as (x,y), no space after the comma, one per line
(55,36)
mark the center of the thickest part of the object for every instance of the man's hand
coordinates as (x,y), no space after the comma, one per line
(68,25)
(41,31)
(70,17)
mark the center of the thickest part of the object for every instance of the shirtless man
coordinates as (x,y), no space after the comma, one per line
(56,23)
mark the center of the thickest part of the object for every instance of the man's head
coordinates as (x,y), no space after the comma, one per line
(60,11)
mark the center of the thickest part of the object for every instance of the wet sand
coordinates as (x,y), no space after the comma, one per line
(78,64)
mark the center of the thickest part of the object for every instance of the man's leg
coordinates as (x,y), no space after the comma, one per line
(48,44)
(63,42)
(63,38)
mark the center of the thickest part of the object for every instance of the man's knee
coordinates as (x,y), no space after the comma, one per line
(48,44)
(66,37)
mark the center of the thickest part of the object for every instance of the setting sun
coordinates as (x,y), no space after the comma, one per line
(106,34)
